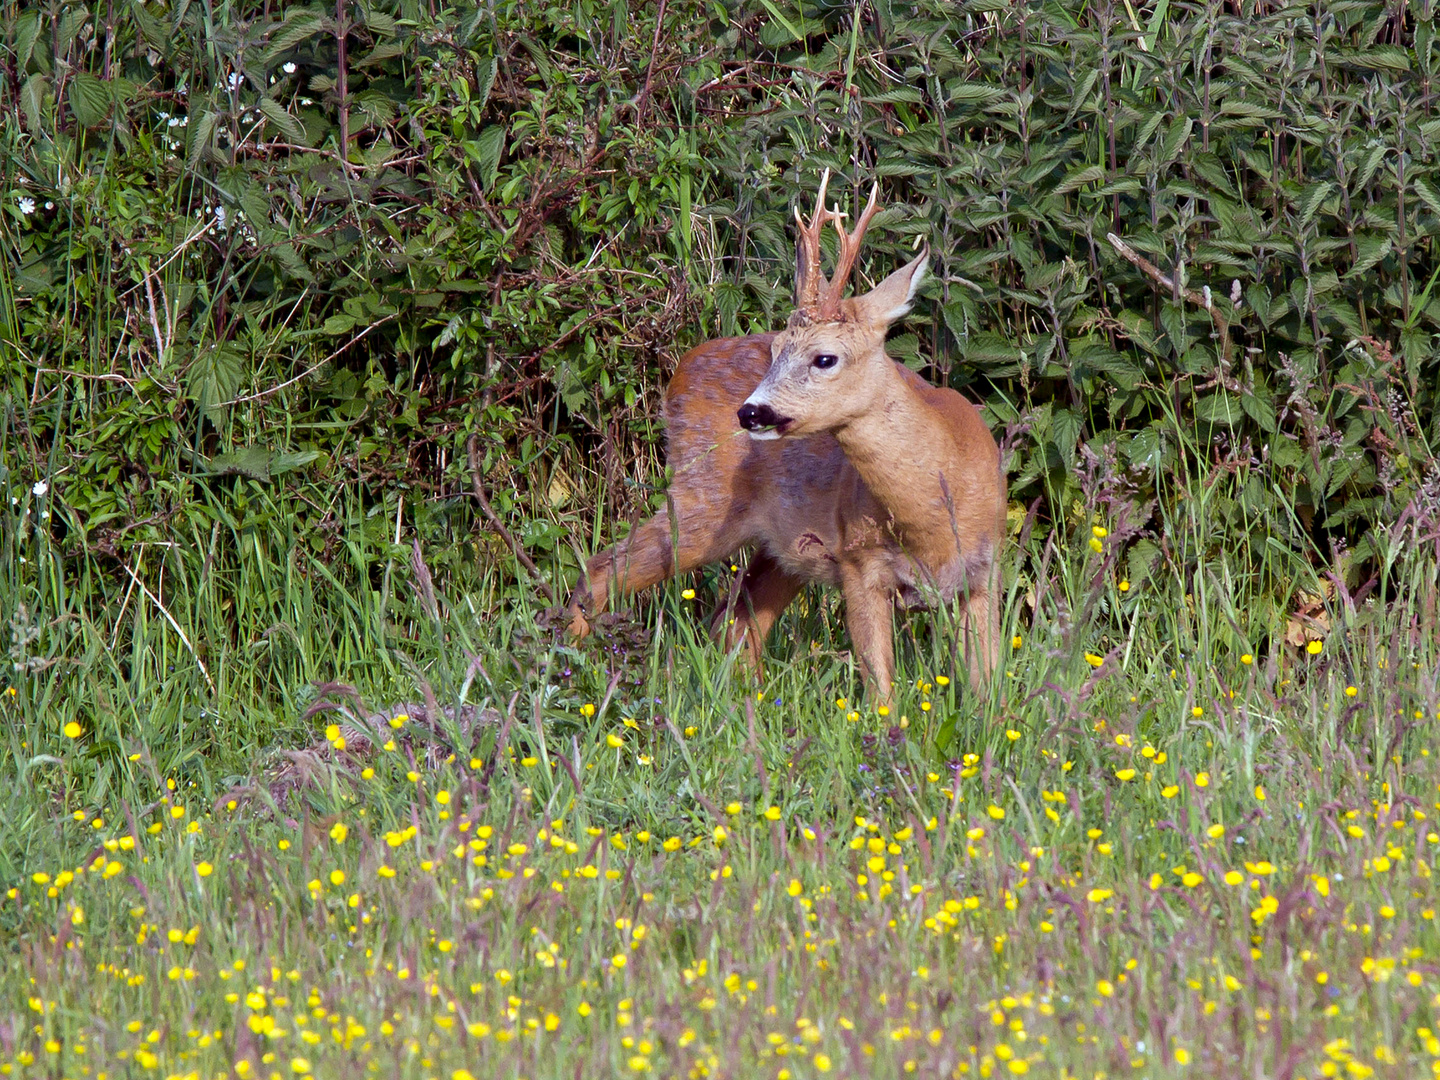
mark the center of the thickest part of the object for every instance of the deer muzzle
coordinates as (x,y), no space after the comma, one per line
(761,421)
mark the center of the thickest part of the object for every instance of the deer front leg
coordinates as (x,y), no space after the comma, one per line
(642,559)
(869,611)
(655,551)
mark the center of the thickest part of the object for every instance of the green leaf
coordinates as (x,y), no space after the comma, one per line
(27,32)
(486,151)
(1219,408)
(791,33)
(1077,178)
(291,261)
(1065,428)
(256,204)
(906,349)
(251,462)
(1258,299)
(1146,130)
(339,324)
(383,24)
(1310,202)
(1380,58)
(1370,249)
(977,93)
(1371,163)
(1081,95)
(1175,140)
(1145,449)
(201,133)
(32,101)
(1261,410)
(151,29)
(382,52)
(274,112)
(1249,109)
(73,18)
(283,463)
(214,376)
(484,81)
(295,30)
(89,99)
(1427,192)
(1142,559)
(899,93)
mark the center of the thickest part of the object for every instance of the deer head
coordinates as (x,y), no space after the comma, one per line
(828,366)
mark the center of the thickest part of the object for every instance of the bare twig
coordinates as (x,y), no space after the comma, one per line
(499,526)
(198,233)
(160,340)
(643,102)
(308,371)
(342,88)
(1173,286)
(174,625)
(106,377)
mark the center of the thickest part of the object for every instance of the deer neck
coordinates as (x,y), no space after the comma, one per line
(901,448)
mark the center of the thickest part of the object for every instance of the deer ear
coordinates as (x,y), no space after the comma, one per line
(892,299)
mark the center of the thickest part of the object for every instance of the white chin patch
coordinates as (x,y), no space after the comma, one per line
(764,435)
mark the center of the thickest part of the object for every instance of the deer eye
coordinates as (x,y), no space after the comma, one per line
(825,361)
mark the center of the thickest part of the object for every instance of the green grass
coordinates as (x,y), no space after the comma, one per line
(1210,853)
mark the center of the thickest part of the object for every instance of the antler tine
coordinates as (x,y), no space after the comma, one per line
(809,280)
(845,259)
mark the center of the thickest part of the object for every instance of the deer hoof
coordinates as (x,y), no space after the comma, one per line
(579,624)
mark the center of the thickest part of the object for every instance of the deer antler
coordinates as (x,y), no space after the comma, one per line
(829,306)
(809,280)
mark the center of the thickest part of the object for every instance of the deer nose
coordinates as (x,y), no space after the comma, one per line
(755,417)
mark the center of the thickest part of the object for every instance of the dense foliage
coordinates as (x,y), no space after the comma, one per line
(269,266)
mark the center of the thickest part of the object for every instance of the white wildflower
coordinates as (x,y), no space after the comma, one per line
(40,488)
(27,205)
(288,67)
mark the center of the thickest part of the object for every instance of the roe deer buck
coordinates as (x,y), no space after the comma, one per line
(856,472)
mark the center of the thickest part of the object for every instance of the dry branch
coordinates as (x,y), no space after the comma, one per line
(499,526)
(1173,286)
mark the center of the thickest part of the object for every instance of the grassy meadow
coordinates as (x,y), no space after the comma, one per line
(1150,849)
(298,776)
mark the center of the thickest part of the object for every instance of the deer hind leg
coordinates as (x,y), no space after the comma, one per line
(765,591)
(980,630)
(655,551)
